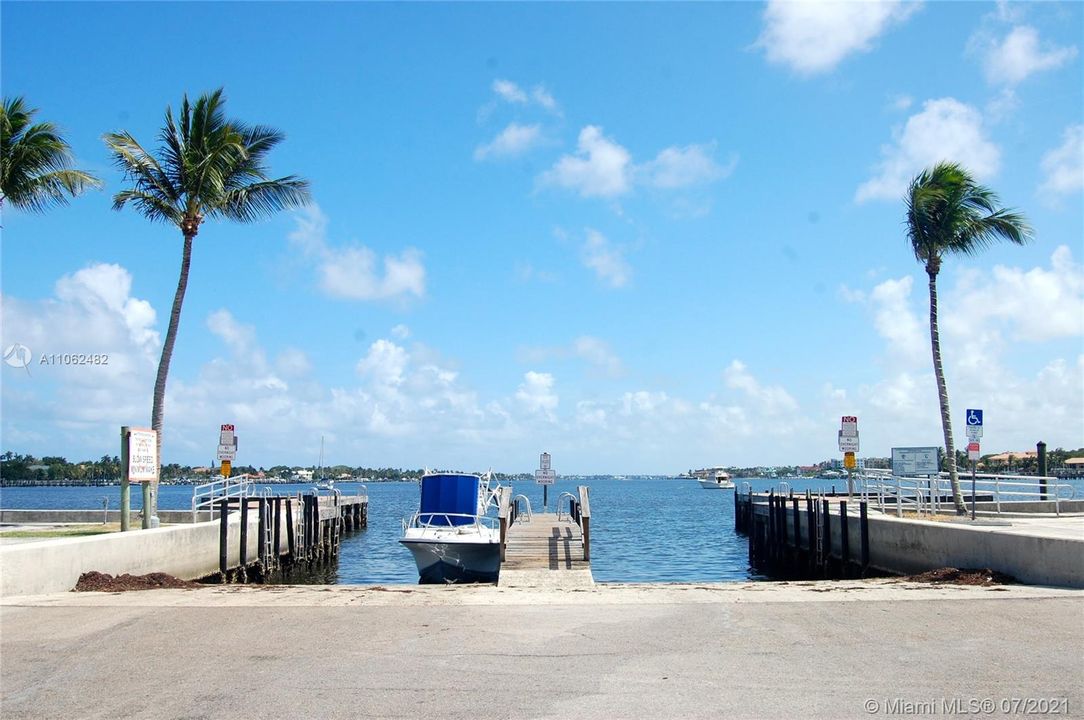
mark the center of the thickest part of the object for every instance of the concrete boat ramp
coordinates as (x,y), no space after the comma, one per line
(826,649)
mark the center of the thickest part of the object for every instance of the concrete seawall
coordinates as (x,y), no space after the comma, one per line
(1039,550)
(185,551)
(30,517)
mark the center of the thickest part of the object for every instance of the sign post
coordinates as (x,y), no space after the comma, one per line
(545,476)
(125,488)
(848,445)
(974,433)
(139,463)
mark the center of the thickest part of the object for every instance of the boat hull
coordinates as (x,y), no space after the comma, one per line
(713,485)
(455,562)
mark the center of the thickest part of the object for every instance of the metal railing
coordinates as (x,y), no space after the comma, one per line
(521,513)
(443,522)
(205,497)
(572,500)
(932,495)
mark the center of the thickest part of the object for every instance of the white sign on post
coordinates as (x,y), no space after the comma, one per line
(848,443)
(142,455)
(227,444)
(544,475)
(974,424)
(915,461)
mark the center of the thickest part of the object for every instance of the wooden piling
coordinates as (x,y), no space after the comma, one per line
(244,540)
(863,527)
(844,538)
(812,529)
(797,527)
(826,543)
(277,533)
(223,538)
(290,528)
(261,530)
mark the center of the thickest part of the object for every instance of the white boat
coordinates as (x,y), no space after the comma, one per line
(451,536)
(719,481)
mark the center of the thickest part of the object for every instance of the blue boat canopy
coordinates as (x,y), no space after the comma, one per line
(449,495)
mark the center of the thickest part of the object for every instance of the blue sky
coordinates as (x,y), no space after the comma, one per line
(642,237)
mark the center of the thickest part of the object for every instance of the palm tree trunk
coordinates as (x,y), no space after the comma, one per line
(167,351)
(942,396)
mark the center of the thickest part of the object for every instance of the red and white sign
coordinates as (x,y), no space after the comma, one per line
(227,444)
(973,451)
(849,426)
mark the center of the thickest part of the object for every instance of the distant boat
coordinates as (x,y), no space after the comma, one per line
(451,537)
(719,481)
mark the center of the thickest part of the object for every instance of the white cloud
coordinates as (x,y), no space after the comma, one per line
(350,272)
(514,140)
(600,167)
(1063,167)
(536,394)
(595,351)
(1012,59)
(509,92)
(813,37)
(544,98)
(384,364)
(400,332)
(769,400)
(901,102)
(945,129)
(1032,305)
(676,167)
(603,168)
(607,261)
(897,323)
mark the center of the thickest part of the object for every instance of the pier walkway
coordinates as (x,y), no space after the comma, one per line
(549,549)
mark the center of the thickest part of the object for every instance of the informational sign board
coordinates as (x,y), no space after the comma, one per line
(849,461)
(848,443)
(544,461)
(227,444)
(545,477)
(142,455)
(915,461)
(974,424)
(849,426)
(972,451)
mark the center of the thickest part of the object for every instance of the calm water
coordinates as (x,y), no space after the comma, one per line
(642,530)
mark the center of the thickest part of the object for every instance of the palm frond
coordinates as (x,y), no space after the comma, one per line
(36,162)
(263,199)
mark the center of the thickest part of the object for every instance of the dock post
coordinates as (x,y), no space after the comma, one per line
(826,544)
(737,515)
(811,530)
(223,537)
(797,527)
(278,532)
(844,538)
(261,547)
(863,527)
(773,533)
(244,540)
(1040,456)
(290,528)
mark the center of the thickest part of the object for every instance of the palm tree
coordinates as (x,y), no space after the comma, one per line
(35,161)
(949,213)
(206,167)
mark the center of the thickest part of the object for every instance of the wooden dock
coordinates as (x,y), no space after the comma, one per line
(547,549)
